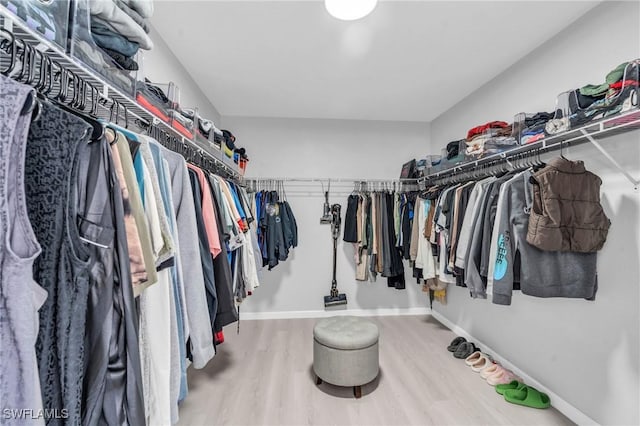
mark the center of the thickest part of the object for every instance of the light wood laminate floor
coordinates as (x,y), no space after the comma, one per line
(264,376)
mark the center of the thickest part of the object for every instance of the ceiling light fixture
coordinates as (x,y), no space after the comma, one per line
(350,10)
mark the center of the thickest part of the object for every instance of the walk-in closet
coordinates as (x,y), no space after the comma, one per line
(319,212)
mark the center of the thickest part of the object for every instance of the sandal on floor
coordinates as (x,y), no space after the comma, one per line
(512,385)
(473,358)
(482,363)
(502,377)
(490,370)
(464,350)
(528,396)
(455,343)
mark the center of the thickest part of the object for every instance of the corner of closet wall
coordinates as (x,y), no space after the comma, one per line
(320,148)
(160,65)
(587,353)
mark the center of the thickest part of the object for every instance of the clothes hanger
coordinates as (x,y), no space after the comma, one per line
(9,42)
(561,151)
(23,59)
(97,126)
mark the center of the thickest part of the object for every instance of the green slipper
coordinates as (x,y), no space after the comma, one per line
(514,384)
(527,396)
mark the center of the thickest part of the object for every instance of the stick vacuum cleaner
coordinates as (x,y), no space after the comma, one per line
(334,298)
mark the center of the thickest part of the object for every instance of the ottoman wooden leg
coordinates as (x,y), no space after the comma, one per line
(318,380)
(357,391)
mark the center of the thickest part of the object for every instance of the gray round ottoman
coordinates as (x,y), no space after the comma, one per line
(345,351)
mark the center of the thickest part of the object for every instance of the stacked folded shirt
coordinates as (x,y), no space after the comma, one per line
(533,128)
(498,144)
(153,98)
(479,136)
(120,28)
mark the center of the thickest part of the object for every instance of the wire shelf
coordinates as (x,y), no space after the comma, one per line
(106,101)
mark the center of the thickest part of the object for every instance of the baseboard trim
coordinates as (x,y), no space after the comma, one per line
(559,403)
(323,314)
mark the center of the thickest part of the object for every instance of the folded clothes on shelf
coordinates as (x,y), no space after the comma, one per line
(153,98)
(50,19)
(95,58)
(487,145)
(125,62)
(613,76)
(453,148)
(181,123)
(182,118)
(106,38)
(531,137)
(110,15)
(478,130)
(623,100)
(134,14)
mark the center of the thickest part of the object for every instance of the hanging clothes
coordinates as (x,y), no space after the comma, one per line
(129,262)
(277,228)
(62,268)
(20,295)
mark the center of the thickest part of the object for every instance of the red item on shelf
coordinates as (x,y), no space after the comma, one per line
(490,125)
(620,84)
(183,130)
(152,108)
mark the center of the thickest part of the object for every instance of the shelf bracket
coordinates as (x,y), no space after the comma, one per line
(613,161)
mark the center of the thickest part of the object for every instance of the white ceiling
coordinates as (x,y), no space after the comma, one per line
(407,61)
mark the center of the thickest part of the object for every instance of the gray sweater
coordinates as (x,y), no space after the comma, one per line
(542,273)
(196,300)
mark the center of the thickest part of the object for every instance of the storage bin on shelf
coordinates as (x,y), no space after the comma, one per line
(206,131)
(453,153)
(592,103)
(530,127)
(181,119)
(48,18)
(426,165)
(84,49)
(497,136)
(157,98)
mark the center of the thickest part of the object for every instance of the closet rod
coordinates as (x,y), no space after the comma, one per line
(17,37)
(615,125)
(350,181)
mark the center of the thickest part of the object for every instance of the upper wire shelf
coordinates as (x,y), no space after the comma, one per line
(110,103)
(591,132)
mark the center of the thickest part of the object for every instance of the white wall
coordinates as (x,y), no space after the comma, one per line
(160,65)
(315,149)
(586,352)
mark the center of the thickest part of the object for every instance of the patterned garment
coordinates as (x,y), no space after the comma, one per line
(20,295)
(62,268)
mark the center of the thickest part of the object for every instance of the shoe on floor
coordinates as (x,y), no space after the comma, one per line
(527,396)
(482,363)
(473,358)
(464,350)
(502,377)
(490,370)
(512,385)
(455,343)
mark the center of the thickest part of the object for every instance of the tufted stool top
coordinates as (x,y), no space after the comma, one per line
(346,332)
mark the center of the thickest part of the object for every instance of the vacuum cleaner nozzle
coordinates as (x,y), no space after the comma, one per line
(340,299)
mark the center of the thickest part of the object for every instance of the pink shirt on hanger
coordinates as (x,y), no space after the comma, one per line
(208,214)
